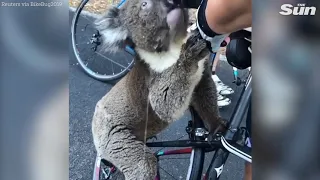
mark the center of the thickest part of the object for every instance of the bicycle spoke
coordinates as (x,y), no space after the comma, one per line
(81,50)
(86,54)
(87,19)
(167,173)
(88,59)
(112,67)
(126,59)
(88,40)
(110,59)
(85,26)
(82,43)
(84,35)
(94,59)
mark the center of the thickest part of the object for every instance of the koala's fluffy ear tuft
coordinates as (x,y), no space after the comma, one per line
(112,30)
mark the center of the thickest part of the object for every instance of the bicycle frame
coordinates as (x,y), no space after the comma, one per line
(223,145)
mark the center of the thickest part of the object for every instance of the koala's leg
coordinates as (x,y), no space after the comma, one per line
(204,101)
(130,156)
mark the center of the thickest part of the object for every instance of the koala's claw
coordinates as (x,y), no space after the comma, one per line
(199,48)
(193,38)
(224,123)
(196,47)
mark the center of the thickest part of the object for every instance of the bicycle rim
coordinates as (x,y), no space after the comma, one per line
(90,72)
(196,164)
(197,156)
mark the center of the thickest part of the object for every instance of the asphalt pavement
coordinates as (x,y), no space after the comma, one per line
(84,94)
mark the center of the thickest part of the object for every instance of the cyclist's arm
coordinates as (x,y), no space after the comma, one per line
(227,16)
(218,18)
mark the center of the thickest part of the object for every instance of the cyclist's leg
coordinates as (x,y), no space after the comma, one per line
(248,171)
(222,88)
(214,62)
(248,168)
(222,100)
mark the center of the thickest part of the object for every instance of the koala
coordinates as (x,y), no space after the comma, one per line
(170,74)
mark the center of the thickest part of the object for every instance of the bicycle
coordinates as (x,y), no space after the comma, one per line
(118,68)
(199,142)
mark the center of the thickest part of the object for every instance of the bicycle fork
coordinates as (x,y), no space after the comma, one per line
(221,155)
(228,142)
(216,165)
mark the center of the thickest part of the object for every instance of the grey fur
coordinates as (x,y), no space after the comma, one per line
(111,28)
(145,101)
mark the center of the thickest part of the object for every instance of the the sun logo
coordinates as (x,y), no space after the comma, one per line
(299,10)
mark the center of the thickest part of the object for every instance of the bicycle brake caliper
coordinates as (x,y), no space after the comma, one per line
(201,132)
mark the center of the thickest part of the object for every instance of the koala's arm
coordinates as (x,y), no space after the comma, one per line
(170,91)
(204,101)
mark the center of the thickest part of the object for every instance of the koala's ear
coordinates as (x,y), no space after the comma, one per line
(112,30)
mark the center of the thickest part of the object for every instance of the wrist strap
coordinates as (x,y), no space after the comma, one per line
(202,20)
(215,39)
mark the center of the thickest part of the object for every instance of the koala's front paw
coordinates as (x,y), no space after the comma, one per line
(195,48)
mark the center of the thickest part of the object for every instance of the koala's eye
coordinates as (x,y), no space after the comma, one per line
(144,4)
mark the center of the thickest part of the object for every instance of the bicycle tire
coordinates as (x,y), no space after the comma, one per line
(86,69)
(196,166)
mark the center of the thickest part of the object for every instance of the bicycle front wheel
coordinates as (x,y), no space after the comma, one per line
(197,155)
(86,44)
(196,164)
